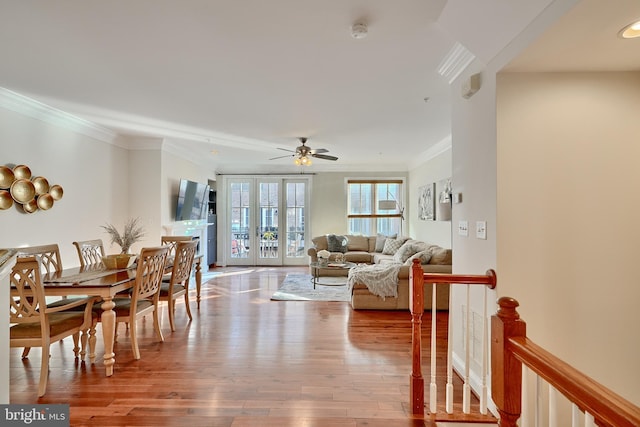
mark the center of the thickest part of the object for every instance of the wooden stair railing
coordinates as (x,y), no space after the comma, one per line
(510,348)
(417,279)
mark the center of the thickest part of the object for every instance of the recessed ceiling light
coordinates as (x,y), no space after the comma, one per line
(630,31)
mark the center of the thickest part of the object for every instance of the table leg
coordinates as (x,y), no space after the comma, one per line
(108,320)
(198,282)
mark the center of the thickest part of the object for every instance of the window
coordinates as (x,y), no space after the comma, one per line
(375,206)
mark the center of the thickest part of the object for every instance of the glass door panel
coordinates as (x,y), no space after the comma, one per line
(257,233)
(240,221)
(296,196)
(268,226)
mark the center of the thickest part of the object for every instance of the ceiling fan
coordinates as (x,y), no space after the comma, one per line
(302,155)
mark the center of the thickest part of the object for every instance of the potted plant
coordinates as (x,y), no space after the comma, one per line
(133,232)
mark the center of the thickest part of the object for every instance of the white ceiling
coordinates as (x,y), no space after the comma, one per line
(246,77)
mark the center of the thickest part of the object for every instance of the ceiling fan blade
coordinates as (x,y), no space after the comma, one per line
(324,157)
(282,157)
(284,149)
(319,150)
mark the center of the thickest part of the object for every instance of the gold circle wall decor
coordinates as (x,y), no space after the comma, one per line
(56,192)
(30,194)
(23,190)
(6,201)
(6,177)
(31,206)
(45,201)
(41,184)
(22,172)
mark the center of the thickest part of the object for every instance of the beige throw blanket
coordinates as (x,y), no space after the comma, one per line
(380,279)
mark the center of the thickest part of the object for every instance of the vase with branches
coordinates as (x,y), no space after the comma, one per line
(133,232)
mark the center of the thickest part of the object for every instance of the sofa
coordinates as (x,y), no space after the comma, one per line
(385,250)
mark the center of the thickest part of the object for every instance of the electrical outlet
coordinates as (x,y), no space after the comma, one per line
(463,228)
(481,230)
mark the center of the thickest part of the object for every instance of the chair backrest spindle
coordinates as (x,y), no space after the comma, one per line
(49,256)
(90,252)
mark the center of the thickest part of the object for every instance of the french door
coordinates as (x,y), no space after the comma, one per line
(266,221)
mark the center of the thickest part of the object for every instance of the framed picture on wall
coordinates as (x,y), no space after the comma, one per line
(426,202)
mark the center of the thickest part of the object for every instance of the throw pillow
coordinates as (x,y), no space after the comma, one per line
(439,255)
(336,243)
(380,239)
(391,246)
(406,250)
(320,243)
(423,256)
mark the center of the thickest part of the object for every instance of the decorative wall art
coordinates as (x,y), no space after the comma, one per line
(426,202)
(444,200)
(30,194)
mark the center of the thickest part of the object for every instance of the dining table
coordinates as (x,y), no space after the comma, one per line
(97,281)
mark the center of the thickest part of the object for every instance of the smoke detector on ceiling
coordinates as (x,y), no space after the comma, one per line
(359,31)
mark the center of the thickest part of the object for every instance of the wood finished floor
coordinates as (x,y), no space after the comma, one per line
(245,361)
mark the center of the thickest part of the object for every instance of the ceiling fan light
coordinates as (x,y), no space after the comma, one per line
(297,161)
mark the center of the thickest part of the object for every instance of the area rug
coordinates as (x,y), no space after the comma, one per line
(299,287)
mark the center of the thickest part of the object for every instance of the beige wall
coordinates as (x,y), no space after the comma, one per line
(568,214)
(329,200)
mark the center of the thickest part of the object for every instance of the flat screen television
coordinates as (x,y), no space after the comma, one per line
(193,199)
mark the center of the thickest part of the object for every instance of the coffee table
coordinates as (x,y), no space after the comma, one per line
(316,267)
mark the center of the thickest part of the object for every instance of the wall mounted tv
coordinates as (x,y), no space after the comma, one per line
(193,199)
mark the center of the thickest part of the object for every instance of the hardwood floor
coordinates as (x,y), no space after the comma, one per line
(243,361)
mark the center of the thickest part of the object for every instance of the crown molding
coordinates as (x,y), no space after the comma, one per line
(435,150)
(455,62)
(37,110)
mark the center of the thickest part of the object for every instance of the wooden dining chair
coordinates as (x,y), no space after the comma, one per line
(178,283)
(145,294)
(50,262)
(172,242)
(37,325)
(90,252)
(49,256)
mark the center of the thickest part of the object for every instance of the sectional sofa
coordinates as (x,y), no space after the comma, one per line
(385,250)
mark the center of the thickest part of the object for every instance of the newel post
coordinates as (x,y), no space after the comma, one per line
(506,370)
(416,305)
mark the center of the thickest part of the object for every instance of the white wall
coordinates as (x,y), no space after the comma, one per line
(93,174)
(435,170)
(175,168)
(474,177)
(568,216)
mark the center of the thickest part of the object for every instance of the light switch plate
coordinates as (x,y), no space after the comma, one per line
(463,228)
(481,230)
